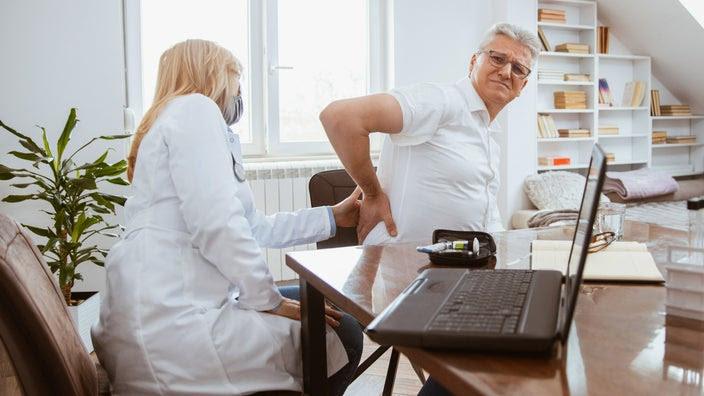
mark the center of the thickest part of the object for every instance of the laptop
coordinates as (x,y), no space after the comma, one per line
(496,309)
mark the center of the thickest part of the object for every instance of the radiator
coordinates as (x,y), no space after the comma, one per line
(283,187)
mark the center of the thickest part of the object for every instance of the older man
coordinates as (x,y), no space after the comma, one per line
(439,163)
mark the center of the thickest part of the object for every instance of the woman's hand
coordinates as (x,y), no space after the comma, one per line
(291,309)
(346,213)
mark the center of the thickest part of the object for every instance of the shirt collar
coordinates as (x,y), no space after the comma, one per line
(476,104)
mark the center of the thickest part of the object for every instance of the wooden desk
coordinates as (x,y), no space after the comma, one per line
(620,342)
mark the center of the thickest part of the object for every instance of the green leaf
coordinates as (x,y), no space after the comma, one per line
(42,232)
(18,198)
(114,137)
(120,200)
(47,148)
(23,185)
(31,146)
(7,173)
(25,156)
(119,181)
(66,133)
(19,135)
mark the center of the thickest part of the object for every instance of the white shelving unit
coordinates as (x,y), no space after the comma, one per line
(580,27)
(631,147)
(682,159)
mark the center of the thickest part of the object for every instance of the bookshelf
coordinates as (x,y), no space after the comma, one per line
(631,146)
(579,27)
(679,159)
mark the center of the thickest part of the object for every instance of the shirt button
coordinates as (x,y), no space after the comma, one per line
(232,140)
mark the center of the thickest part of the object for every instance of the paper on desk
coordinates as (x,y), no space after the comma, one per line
(621,261)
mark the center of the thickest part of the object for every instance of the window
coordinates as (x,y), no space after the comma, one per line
(299,55)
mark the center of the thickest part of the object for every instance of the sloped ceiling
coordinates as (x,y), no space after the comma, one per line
(669,34)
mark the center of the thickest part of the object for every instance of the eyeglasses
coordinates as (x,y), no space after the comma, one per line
(498,59)
(600,241)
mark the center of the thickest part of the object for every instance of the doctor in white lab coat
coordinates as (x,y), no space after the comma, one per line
(190,306)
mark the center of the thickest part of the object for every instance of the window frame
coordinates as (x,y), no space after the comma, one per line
(263,75)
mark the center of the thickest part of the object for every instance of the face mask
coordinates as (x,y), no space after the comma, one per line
(234,110)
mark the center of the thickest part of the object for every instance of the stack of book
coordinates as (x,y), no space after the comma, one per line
(654,102)
(546,126)
(610,157)
(570,100)
(573,133)
(576,77)
(550,74)
(602,41)
(605,97)
(554,16)
(572,48)
(633,94)
(681,139)
(553,161)
(608,130)
(543,40)
(675,110)
(659,137)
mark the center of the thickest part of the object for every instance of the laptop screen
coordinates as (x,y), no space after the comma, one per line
(582,237)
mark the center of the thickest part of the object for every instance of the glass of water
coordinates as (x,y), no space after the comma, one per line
(610,217)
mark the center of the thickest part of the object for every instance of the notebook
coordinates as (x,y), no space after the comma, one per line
(498,309)
(622,261)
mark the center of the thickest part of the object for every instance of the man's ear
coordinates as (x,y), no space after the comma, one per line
(472,62)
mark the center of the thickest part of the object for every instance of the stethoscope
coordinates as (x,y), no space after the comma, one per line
(240,174)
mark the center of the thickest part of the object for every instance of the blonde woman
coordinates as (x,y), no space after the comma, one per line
(190,306)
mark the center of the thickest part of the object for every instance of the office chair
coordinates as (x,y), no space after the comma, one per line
(328,188)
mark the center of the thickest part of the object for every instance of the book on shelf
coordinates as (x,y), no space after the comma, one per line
(551,15)
(553,161)
(621,261)
(550,74)
(681,139)
(675,110)
(608,130)
(602,41)
(654,102)
(546,126)
(570,99)
(610,157)
(633,94)
(659,137)
(573,48)
(543,40)
(605,97)
(576,77)
(570,133)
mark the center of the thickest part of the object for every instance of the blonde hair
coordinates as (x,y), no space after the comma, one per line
(191,66)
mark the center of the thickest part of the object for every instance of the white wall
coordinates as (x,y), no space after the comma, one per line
(434,41)
(57,55)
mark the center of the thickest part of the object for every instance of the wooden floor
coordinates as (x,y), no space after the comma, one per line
(371,382)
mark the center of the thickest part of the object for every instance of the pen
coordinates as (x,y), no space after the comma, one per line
(475,246)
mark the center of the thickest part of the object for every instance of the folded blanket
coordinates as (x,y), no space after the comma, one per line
(641,183)
(544,218)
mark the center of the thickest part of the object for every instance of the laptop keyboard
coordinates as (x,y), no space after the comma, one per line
(486,301)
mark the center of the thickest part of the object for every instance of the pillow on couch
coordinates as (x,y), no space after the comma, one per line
(556,190)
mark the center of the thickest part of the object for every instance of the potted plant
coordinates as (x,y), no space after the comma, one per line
(76,206)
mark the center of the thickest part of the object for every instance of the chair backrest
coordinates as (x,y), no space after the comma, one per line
(35,324)
(328,188)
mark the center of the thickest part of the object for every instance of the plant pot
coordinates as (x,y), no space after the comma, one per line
(85,314)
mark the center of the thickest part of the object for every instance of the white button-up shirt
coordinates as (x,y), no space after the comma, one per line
(442,170)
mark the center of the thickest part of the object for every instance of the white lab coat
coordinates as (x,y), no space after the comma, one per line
(170,322)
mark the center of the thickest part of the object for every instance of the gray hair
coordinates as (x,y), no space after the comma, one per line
(517,33)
